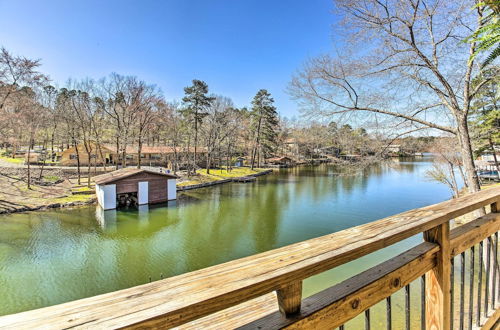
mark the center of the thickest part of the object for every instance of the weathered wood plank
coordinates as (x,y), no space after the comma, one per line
(186,297)
(236,316)
(471,233)
(340,303)
(438,281)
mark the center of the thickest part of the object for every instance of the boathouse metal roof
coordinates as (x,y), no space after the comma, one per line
(125,173)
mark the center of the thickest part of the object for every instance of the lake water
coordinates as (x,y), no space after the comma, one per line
(56,256)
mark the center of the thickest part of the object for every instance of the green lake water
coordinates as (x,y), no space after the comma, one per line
(56,256)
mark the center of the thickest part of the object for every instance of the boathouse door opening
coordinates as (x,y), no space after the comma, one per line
(127,199)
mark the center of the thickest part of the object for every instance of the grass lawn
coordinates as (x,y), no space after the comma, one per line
(12,160)
(490,185)
(85,188)
(219,174)
(234,173)
(73,198)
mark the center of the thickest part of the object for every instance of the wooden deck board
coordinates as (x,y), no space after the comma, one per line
(184,298)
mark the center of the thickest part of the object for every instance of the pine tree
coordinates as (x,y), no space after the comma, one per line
(486,114)
(264,124)
(196,101)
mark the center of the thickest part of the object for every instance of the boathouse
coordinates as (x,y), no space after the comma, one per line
(134,184)
(279,161)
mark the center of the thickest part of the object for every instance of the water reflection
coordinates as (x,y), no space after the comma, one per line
(60,255)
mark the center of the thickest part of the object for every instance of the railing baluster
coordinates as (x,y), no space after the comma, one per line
(479,285)
(495,266)
(388,312)
(462,289)
(487,282)
(471,286)
(290,298)
(407,306)
(452,291)
(367,319)
(422,303)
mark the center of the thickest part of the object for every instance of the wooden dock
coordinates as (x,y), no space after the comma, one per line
(245,179)
(264,291)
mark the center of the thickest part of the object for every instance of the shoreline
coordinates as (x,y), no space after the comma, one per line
(92,198)
(45,207)
(217,182)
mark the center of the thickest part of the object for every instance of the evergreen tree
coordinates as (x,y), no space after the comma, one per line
(197,102)
(487,36)
(486,118)
(264,124)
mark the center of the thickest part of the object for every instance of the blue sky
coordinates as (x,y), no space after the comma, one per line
(236,46)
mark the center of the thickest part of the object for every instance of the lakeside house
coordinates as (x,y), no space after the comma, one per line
(100,154)
(150,155)
(393,150)
(489,157)
(279,161)
(240,161)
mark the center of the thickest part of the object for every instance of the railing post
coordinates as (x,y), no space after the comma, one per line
(290,298)
(438,282)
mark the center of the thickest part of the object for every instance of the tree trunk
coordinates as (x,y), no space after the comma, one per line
(195,138)
(29,170)
(139,150)
(453,180)
(254,153)
(208,162)
(89,166)
(52,146)
(77,162)
(103,159)
(117,153)
(228,158)
(467,156)
(124,156)
(494,155)
(188,155)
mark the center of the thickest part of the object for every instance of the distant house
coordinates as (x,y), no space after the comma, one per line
(107,154)
(100,154)
(330,151)
(160,155)
(393,149)
(240,162)
(279,161)
(34,157)
(489,158)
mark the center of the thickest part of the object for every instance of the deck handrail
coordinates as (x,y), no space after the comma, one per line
(174,301)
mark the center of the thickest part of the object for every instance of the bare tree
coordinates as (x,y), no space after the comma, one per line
(123,96)
(149,101)
(49,97)
(16,71)
(32,118)
(84,112)
(446,164)
(68,116)
(409,64)
(216,128)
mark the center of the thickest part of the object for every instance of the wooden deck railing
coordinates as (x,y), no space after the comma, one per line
(240,293)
